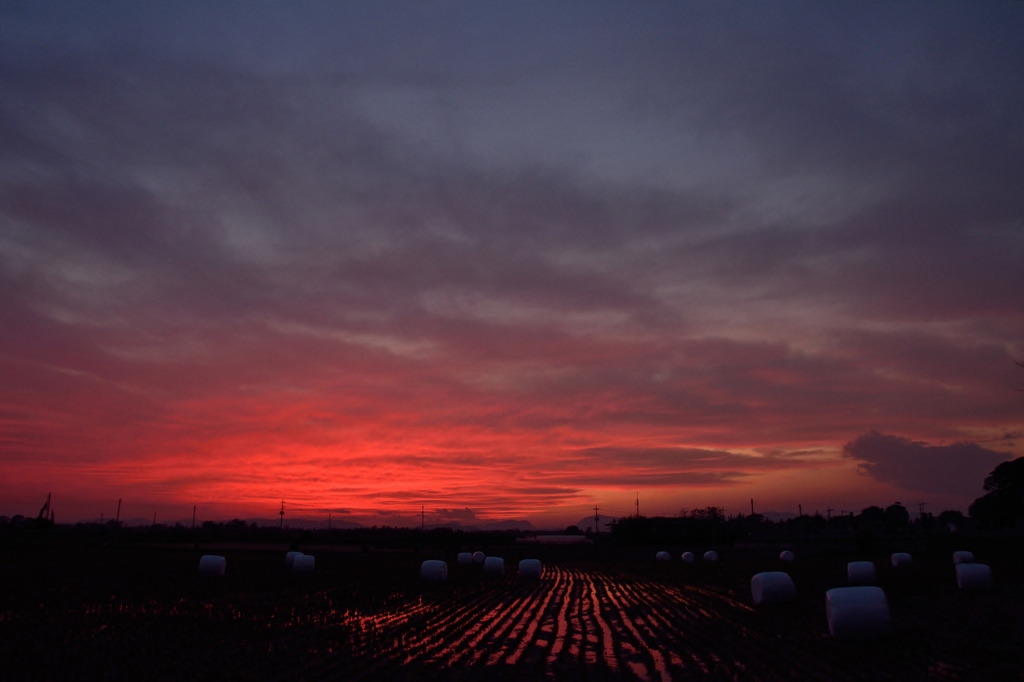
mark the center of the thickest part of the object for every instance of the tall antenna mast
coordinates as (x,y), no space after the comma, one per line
(597,521)
(282,513)
(638,505)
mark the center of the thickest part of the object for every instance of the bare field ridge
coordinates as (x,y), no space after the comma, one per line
(142,613)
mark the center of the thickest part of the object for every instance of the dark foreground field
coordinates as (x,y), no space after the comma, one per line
(143,613)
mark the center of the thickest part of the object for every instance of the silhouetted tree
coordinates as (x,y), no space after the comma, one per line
(872,517)
(951,519)
(1003,504)
(714,514)
(896,517)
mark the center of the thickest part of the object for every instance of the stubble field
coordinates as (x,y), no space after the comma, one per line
(143,613)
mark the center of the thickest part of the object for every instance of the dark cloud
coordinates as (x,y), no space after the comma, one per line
(657,467)
(465,514)
(958,469)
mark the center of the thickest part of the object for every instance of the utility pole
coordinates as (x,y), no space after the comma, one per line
(800,509)
(828,512)
(920,509)
(638,505)
(751,506)
(597,518)
(117,519)
(282,514)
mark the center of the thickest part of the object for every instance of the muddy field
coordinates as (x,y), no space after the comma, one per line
(143,613)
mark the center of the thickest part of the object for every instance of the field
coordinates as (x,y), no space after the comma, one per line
(143,613)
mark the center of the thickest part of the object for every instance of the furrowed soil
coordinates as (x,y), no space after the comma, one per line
(144,613)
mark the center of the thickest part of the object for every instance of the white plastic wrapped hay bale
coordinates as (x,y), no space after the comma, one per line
(530,568)
(434,570)
(973,577)
(289,559)
(688,557)
(787,556)
(772,587)
(711,555)
(494,566)
(857,612)
(901,560)
(662,556)
(211,564)
(304,564)
(860,573)
(478,557)
(962,557)
(465,559)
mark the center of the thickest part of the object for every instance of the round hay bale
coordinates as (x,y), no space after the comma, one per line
(211,564)
(861,573)
(962,557)
(289,559)
(688,558)
(787,555)
(478,557)
(711,555)
(973,577)
(494,565)
(901,560)
(465,559)
(530,568)
(304,564)
(772,587)
(857,612)
(434,570)
(662,556)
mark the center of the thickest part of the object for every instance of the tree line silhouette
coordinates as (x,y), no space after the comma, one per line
(1000,509)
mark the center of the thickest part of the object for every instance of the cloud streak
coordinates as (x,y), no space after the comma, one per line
(417,259)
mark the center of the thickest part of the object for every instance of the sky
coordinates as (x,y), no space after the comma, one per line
(508,261)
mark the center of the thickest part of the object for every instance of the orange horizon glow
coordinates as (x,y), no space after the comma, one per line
(240,458)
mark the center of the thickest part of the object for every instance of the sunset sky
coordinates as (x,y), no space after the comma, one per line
(508,260)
